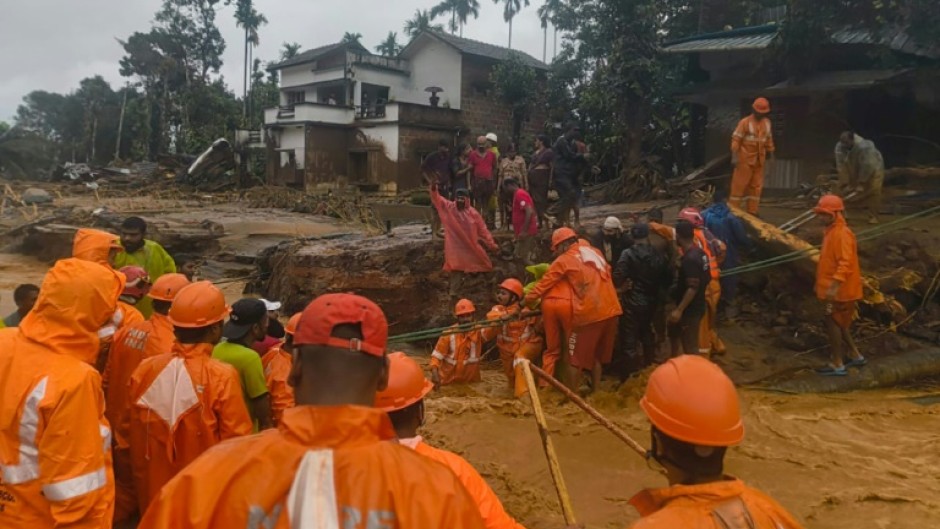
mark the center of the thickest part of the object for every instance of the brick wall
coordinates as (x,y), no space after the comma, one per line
(415,142)
(483,111)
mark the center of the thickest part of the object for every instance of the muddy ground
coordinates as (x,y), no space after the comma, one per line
(836,461)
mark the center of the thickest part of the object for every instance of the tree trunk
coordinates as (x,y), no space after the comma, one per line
(555,45)
(510,33)
(245,81)
(117,146)
(94,137)
(545,43)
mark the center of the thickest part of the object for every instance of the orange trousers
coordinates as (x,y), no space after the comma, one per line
(708,340)
(125,495)
(557,317)
(594,343)
(747,182)
(512,359)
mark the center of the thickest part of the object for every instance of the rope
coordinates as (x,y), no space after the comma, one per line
(427,334)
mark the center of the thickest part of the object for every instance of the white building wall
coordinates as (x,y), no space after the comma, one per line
(435,64)
(303,74)
(293,138)
(387,135)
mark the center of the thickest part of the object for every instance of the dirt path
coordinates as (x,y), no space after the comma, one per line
(846,461)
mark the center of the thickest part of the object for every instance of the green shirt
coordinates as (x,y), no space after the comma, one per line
(152,258)
(250,372)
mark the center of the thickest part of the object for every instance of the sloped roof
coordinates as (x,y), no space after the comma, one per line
(316,53)
(479,49)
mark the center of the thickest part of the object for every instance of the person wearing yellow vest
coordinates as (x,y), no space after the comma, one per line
(714,249)
(751,143)
(147,254)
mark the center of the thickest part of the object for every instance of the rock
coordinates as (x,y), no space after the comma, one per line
(34,195)
(782,321)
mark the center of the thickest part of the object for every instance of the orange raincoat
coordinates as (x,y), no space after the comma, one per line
(95,246)
(838,260)
(184,402)
(464,230)
(277,365)
(708,339)
(333,462)
(131,345)
(751,141)
(457,356)
(517,340)
(55,443)
(718,505)
(494,515)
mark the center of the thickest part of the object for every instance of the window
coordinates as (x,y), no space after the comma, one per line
(296,96)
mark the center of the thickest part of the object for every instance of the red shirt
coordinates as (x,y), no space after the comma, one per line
(483,164)
(520,201)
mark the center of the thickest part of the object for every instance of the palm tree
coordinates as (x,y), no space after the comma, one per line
(548,13)
(389,47)
(289,50)
(248,17)
(420,22)
(349,38)
(446,7)
(511,8)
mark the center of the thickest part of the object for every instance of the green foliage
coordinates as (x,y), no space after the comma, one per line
(420,22)
(289,50)
(513,81)
(351,37)
(4,127)
(390,46)
(22,153)
(459,10)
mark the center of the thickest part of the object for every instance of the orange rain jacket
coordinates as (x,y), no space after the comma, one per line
(838,260)
(335,462)
(702,506)
(457,356)
(277,365)
(517,340)
(494,516)
(184,402)
(594,297)
(95,246)
(752,140)
(55,443)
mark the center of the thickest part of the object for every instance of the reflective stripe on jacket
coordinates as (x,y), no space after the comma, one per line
(752,140)
(457,356)
(55,443)
(334,462)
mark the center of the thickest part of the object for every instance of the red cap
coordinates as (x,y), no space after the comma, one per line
(323,314)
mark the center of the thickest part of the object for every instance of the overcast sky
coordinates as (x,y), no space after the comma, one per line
(53,44)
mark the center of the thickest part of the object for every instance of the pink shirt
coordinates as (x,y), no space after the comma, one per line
(520,201)
(483,164)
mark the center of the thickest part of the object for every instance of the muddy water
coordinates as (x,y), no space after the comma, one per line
(869,459)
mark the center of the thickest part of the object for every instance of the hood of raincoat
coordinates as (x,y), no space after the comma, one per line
(76,300)
(93,245)
(537,271)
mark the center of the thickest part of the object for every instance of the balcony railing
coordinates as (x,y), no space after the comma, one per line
(389,63)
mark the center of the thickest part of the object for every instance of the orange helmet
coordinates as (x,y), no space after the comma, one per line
(692,216)
(830,204)
(138,282)
(761,105)
(197,305)
(464,307)
(406,384)
(167,286)
(692,400)
(513,285)
(291,327)
(561,235)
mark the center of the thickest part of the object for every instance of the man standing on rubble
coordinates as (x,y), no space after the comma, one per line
(695,416)
(568,166)
(465,235)
(438,167)
(861,170)
(55,443)
(334,453)
(751,143)
(838,284)
(144,253)
(248,323)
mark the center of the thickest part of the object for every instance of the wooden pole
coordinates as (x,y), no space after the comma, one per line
(553,465)
(596,415)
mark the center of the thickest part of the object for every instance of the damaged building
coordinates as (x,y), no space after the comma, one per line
(348,117)
(882,86)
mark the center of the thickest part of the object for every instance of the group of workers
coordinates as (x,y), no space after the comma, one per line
(345,453)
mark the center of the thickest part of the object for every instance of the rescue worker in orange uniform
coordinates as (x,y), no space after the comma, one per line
(329,463)
(838,285)
(695,416)
(517,338)
(456,357)
(131,345)
(184,401)
(557,306)
(55,442)
(751,143)
(403,400)
(708,340)
(277,365)
(595,306)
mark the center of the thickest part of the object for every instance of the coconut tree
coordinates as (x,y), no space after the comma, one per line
(349,38)
(389,47)
(548,13)
(289,50)
(511,8)
(248,18)
(459,11)
(420,22)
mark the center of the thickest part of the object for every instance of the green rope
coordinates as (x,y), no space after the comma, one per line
(428,334)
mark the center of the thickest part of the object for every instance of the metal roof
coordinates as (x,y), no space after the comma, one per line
(746,42)
(316,53)
(835,81)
